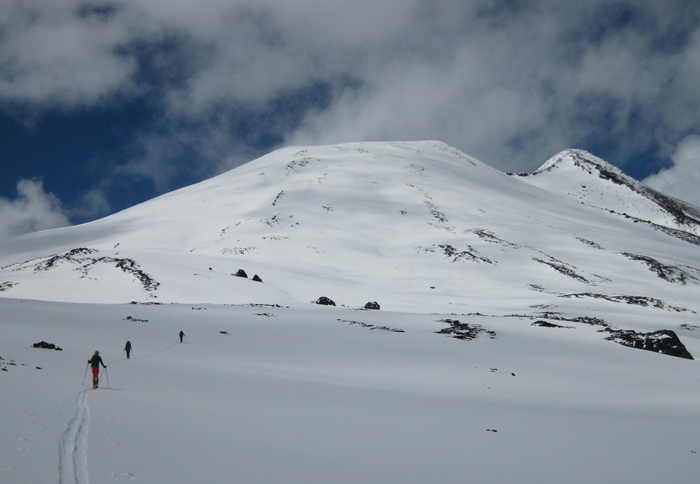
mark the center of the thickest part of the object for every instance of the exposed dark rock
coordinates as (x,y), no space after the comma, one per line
(241,273)
(563,268)
(546,324)
(372,326)
(372,305)
(670,273)
(663,341)
(294,165)
(6,285)
(53,260)
(464,331)
(278,198)
(683,213)
(256,278)
(471,254)
(86,264)
(590,243)
(679,234)
(47,346)
(257,305)
(634,300)
(324,301)
(437,215)
(578,319)
(490,237)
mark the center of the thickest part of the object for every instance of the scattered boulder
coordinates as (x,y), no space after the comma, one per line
(372,305)
(241,273)
(47,346)
(324,301)
(257,278)
(663,341)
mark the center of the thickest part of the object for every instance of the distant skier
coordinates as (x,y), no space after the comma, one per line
(95,362)
(127,348)
(182,335)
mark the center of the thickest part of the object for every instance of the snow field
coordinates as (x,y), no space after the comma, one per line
(294,395)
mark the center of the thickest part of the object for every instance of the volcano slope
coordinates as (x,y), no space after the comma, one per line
(515,311)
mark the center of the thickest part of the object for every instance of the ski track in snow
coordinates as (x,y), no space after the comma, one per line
(72,448)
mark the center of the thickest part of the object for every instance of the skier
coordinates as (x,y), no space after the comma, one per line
(127,348)
(95,362)
(182,335)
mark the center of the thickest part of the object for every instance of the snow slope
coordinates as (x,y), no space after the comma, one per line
(494,357)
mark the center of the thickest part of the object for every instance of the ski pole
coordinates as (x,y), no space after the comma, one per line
(85,374)
(107,376)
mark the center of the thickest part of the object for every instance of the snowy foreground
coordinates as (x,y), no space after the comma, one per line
(498,354)
(332,395)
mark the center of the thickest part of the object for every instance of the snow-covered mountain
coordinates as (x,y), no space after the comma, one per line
(417,226)
(502,352)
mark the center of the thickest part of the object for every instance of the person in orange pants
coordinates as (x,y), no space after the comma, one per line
(95,362)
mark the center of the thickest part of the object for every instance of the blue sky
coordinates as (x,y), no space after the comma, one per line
(105,104)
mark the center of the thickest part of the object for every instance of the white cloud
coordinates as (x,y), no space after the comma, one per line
(683,178)
(510,82)
(32,210)
(51,54)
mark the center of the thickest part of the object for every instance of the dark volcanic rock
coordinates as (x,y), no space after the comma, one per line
(241,273)
(372,305)
(666,272)
(464,331)
(256,278)
(663,341)
(47,346)
(324,301)
(547,324)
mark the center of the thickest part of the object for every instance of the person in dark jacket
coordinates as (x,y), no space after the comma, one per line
(127,348)
(182,335)
(95,362)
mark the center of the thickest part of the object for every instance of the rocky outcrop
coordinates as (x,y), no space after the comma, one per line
(663,341)
(47,346)
(325,301)
(464,331)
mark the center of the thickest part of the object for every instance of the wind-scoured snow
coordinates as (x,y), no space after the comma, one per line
(533,328)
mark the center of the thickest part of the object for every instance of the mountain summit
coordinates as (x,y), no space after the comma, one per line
(579,174)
